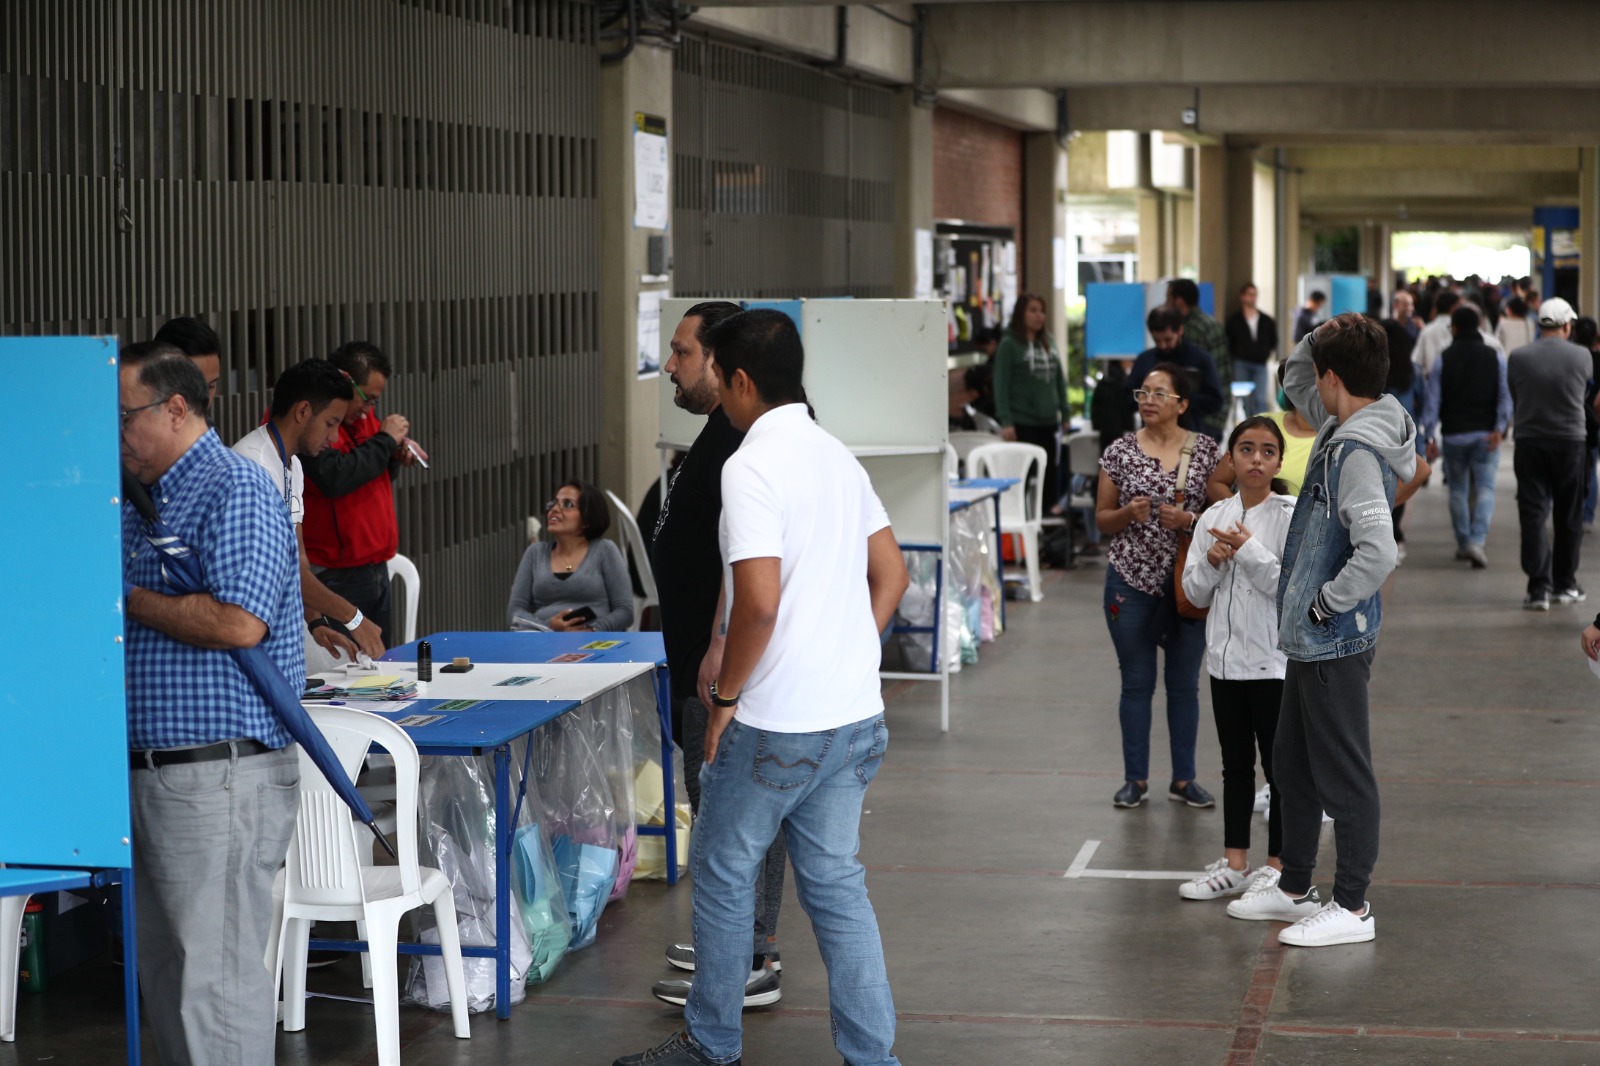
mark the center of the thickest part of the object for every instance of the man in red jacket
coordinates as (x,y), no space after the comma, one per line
(351,531)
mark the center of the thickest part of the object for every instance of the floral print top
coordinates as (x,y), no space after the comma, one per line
(1144,553)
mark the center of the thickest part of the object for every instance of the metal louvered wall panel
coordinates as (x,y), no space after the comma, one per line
(418,173)
(783,178)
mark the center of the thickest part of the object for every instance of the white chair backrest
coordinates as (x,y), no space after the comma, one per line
(1083,455)
(634,541)
(325,857)
(1021,504)
(404,571)
(952,462)
(963,441)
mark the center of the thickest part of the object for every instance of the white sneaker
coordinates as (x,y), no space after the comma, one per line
(1273,905)
(1330,925)
(1264,799)
(1219,880)
(1265,877)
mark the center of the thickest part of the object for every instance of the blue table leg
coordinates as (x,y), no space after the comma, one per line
(504,831)
(669,818)
(1000,559)
(130,967)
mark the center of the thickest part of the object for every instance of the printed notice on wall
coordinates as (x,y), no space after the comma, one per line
(650,333)
(651,209)
(924,289)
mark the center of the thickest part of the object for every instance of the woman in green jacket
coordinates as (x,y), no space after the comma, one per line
(1030,389)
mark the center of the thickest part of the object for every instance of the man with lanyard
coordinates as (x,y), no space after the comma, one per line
(351,531)
(688,568)
(213,778)
(309,403)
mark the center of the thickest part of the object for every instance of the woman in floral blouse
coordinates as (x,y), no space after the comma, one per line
(1136,505)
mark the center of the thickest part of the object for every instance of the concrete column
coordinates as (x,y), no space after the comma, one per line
(1181,254)
(913,187)
(1289,267)
(1211,222)
(1589,234)
(1044,222)
(630,421)
(1152,239)
(1241,230)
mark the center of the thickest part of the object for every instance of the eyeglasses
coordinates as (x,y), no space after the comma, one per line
(360,396)
(1145,394)
(565,505)
(128,412)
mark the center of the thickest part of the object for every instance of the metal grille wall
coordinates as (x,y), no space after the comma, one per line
(418,173)
(783,177)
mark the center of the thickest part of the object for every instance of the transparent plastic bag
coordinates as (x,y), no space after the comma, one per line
(650,809)
(913,652)
(616,720)
(455,801)
(580,815)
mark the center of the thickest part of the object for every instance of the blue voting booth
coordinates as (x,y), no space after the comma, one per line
(1114,314)
(63,719)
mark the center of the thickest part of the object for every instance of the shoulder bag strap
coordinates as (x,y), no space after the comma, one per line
(1184,455)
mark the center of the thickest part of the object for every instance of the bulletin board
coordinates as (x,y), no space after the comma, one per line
(65,747)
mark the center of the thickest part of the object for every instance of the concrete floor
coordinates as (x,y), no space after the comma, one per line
(1484,733)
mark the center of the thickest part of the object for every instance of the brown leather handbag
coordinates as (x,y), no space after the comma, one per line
(1186,608)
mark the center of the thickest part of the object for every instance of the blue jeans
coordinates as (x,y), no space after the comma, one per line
(809,786)
(1256,402)
(1471,466)
(1140,623)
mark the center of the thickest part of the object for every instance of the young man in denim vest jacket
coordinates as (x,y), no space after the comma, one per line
(1339,552)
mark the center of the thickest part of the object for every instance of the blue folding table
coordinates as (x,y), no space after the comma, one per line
(490,727)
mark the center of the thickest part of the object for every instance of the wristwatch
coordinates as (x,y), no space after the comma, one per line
(719,700)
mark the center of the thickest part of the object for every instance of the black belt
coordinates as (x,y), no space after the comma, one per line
(208,753)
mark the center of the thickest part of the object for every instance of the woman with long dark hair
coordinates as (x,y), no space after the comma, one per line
(1030,388)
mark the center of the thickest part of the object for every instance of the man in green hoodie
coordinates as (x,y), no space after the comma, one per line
(1030,388)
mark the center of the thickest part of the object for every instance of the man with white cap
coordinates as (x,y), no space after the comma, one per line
(1548,379)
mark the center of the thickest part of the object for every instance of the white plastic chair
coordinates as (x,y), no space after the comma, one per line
(404,571)
(964,440)
(1083,455)
(11,908)
(952,462)
(325,879)
(633,541)
(1022,507)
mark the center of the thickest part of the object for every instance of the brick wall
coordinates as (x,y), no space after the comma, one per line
(977,171)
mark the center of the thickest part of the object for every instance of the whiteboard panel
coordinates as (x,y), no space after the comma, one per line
(913,491)
(64,746)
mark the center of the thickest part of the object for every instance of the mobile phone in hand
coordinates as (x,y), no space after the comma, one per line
(580,614)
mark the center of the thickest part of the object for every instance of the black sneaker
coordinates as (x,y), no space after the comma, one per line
(760,988)
(1192,794)
(1130,795)
(1572,595)
(679,1051)
(681,956)
(1536,601)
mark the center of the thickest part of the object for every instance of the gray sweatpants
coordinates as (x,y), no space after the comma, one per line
(208,840)
(1322,761)
(769,886)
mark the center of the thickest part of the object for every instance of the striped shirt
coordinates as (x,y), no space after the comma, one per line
(228,511)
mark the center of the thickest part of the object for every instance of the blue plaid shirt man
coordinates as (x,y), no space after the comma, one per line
(228,511)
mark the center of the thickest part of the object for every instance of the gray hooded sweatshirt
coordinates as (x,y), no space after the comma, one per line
(1384,426)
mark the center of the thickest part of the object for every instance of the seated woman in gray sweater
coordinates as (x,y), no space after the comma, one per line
(575,569)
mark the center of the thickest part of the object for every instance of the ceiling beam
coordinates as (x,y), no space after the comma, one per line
(1283,42)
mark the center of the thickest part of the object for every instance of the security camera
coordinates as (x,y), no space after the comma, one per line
(1191,116)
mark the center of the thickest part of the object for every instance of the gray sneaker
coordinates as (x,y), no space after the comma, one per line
(1572,595)
(681,956)
(1474,554)
(1536,601)
(761,989)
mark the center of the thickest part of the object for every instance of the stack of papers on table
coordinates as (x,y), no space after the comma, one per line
(376,687)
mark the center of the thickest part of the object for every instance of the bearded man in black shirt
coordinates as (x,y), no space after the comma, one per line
(687,562)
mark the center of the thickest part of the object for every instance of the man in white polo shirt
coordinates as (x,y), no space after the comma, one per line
(796,734)
(308,403)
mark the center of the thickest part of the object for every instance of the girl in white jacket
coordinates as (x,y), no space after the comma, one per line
(1233,567)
